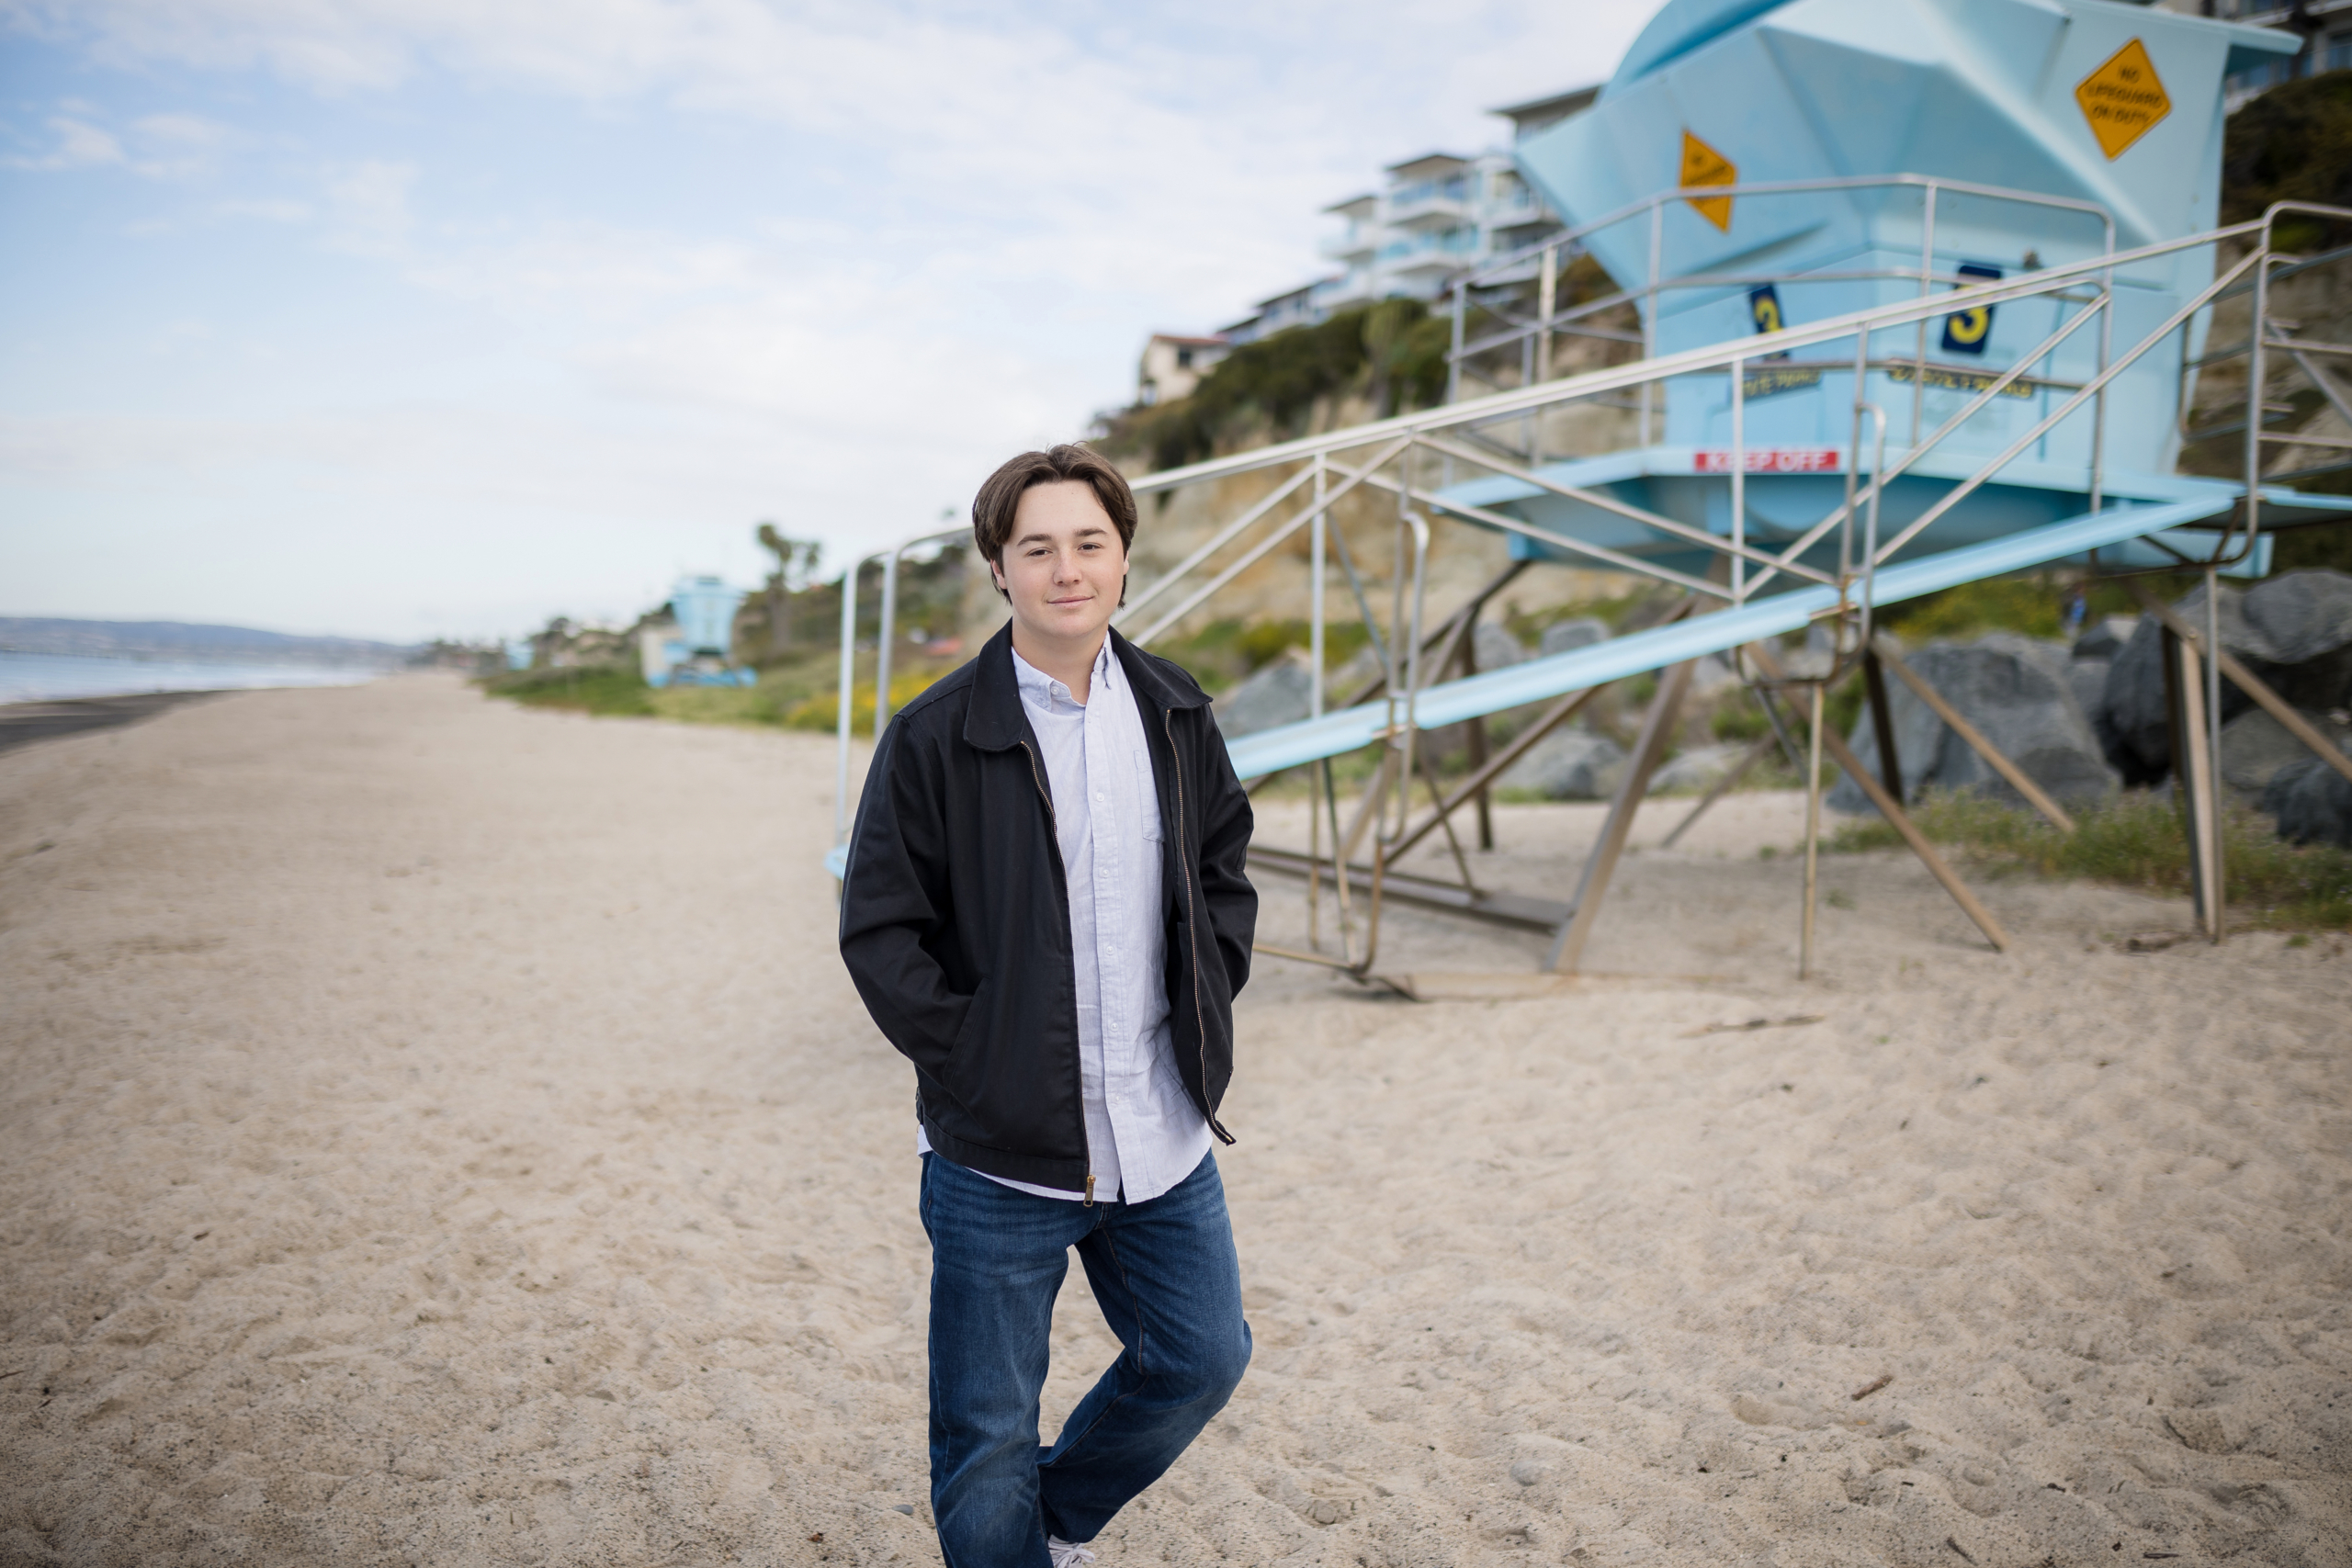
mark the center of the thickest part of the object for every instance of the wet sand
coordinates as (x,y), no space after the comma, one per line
(24,723)
(434,1131)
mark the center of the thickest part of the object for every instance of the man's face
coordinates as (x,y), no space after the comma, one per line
(1063,567)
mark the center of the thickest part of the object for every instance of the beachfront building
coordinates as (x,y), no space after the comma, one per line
(1173,365)
(2324,27)
(1432,216)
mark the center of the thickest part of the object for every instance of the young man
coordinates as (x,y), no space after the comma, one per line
(1045,912)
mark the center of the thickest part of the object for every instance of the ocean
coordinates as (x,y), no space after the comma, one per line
(45,677)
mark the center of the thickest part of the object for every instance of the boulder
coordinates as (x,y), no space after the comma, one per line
(1568,764)
(2087,678)
(2303,616)
(2104,639)
(2306,619)
(1495,649)
(1696,770)
(2312,803)
(2132,723)
(1712,674)
(1341,684)
(2293,631)
(1561,636)
(2255,746)
(2017,693)
(1277,693)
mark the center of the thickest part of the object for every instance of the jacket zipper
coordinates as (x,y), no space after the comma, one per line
(1053,821)
(1183,863)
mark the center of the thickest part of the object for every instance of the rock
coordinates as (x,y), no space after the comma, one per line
(1495,649)
(2303,614)
(1339,687)
(2255,746)
(1278,693)
(2086,679)
(1568,764)
(1817,658)
(2312,803)
(2017,693)
(1561,637)
(1697,770)
(2295,632)
(2106,639)
(1712,674)
(2132,722)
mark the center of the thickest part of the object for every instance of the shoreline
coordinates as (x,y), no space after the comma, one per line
(21,724)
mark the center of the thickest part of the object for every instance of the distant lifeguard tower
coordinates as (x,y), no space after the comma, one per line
(696,649)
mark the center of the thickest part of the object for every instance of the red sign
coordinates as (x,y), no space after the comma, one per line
(1771,460)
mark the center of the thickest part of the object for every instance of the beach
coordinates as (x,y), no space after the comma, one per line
(436,1132)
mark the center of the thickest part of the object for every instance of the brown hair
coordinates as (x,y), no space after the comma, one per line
(999,502)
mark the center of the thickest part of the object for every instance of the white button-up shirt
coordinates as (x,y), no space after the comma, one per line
(1143,1135)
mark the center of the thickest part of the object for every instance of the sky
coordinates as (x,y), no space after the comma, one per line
(408,319)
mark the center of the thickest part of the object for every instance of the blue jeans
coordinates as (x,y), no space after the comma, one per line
(1170,1286)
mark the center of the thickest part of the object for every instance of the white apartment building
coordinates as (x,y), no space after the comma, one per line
(1173,365)
(1432,216)
(2325,26)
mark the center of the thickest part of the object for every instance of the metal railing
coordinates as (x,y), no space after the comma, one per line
(1553,252)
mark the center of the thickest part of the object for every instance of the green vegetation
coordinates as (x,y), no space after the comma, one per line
(800,696)
(2294,143)
(1224,653)
(615,691)
(1392,353)
(2137,840)
(822,710)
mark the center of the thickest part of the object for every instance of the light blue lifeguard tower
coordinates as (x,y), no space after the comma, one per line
(700,653)
(1756,166)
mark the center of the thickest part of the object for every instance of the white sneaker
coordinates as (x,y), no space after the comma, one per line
(1066,1554)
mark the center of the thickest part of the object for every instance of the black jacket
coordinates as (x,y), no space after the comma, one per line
(955,918)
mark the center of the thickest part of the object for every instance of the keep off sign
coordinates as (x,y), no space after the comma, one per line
(2123,99)
(1770,460)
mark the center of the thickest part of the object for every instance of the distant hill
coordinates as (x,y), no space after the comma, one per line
(183,640)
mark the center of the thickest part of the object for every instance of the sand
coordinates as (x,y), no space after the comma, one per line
(436,1133)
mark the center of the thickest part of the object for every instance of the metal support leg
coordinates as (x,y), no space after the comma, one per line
(1890,766)
(1814,727)
(2192,777)
(1475,740)
(1657,730)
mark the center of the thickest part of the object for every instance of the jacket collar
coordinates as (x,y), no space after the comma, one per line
(1150,678)
(995,721)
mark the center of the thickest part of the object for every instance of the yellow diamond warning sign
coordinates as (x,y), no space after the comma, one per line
(1703,165)
(2123,99)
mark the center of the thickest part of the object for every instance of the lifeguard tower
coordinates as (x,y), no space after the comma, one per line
(699,652)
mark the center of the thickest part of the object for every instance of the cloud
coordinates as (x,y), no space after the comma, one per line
(367,210)
(159,146)
(77,145)
(268,210)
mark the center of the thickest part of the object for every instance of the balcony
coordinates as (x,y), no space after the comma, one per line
(1425,203)
(1431,210)
(1357,244)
